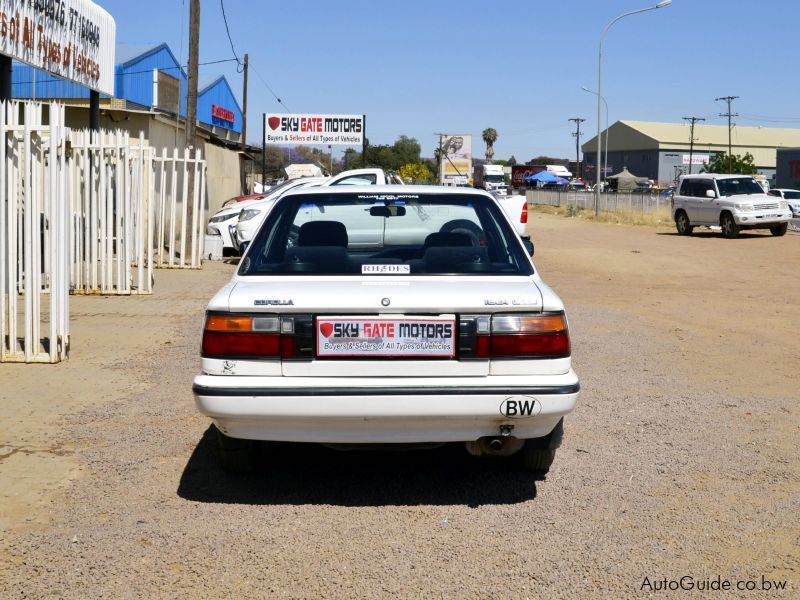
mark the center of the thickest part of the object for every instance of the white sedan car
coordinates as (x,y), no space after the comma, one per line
(792,198)
(386,315)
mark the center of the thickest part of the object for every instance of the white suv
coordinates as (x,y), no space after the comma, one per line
(733,202)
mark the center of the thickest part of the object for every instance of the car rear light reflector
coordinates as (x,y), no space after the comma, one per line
(524,216)
(529,336)
(257,336)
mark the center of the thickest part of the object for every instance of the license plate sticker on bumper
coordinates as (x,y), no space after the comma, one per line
(386,336)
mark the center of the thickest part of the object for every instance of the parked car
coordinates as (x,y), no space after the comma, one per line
(792,198)
(223,222)
(733,202)
(388,315)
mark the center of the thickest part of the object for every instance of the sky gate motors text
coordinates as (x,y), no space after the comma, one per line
(321,124)
(429,331)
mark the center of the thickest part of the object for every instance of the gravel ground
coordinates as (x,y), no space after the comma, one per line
(664,472)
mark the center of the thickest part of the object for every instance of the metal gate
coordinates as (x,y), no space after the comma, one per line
(34,234)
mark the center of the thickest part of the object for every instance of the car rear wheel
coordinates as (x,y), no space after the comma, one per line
(779,230)
(537,454)
(682,223)
(730,229)
(235,455)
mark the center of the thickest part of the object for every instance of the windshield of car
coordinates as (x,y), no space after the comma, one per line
(386,234)
(791,195)
(738,186)
(494,178)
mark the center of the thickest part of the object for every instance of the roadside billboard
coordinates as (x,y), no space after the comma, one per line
(455,163)
(72,39)
(697,159)
(291,129)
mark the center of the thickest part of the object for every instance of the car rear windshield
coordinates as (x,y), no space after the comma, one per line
(791,195)
(386,234)
(738,186)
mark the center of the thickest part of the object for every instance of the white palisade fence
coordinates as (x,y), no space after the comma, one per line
(34,234)
(112,207)
(179,238)
(84,213)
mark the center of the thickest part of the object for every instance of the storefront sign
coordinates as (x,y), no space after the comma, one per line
(697,159)
(288,129)
(72,39)
(223,114)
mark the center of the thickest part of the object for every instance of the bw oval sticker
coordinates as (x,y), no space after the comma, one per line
(520,406)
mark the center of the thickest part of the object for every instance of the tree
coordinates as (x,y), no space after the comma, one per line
(548,160)
(489,136)
(417,172)
(738,164)
(405,150)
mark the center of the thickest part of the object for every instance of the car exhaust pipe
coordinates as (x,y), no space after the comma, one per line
(495,446)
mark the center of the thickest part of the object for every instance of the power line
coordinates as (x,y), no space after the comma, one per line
(271,91)
(239,66)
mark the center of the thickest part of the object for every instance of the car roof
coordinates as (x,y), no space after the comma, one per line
(714,176)
(395,190)
(785,190)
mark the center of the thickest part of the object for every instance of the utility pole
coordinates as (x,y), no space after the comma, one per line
(244,102)
(728,114)
(263,150)
(191,96)
(692,121)
(245,187)
(577,135)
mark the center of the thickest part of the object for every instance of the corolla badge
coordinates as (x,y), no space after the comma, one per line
(274,302)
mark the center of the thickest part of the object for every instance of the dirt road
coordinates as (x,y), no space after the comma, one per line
(680,461)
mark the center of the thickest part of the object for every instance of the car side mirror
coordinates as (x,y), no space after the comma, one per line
(526,241)
(711,194)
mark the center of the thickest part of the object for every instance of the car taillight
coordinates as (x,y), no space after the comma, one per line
(523,218)
(513,336)
(232,336)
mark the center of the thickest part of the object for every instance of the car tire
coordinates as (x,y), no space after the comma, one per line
(682,223)
(730,229)
(235,455)
(779,230)
(537,454)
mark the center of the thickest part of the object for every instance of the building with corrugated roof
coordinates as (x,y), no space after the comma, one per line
(150,98)
(660,151)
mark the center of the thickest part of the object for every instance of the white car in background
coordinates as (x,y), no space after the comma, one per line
(388,315)
(253,216)
(223,222)
(792,198)
(732,202)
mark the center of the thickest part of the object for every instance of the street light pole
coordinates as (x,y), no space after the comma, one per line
(605,150)
(661,4)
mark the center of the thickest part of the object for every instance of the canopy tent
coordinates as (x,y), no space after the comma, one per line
(625,181)
(543,177)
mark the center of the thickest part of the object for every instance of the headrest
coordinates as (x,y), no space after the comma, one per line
(322,233)
(446,238)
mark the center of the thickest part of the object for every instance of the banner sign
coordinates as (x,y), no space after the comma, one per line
(223,114)
(697,159)
(456,159)
(72,39)
(386,336)
(287,129)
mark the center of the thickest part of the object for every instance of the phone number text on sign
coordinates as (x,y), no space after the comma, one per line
(370,336)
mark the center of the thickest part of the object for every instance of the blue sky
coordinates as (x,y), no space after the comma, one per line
(419,67)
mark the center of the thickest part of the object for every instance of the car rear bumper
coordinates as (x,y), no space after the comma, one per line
(300,410)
